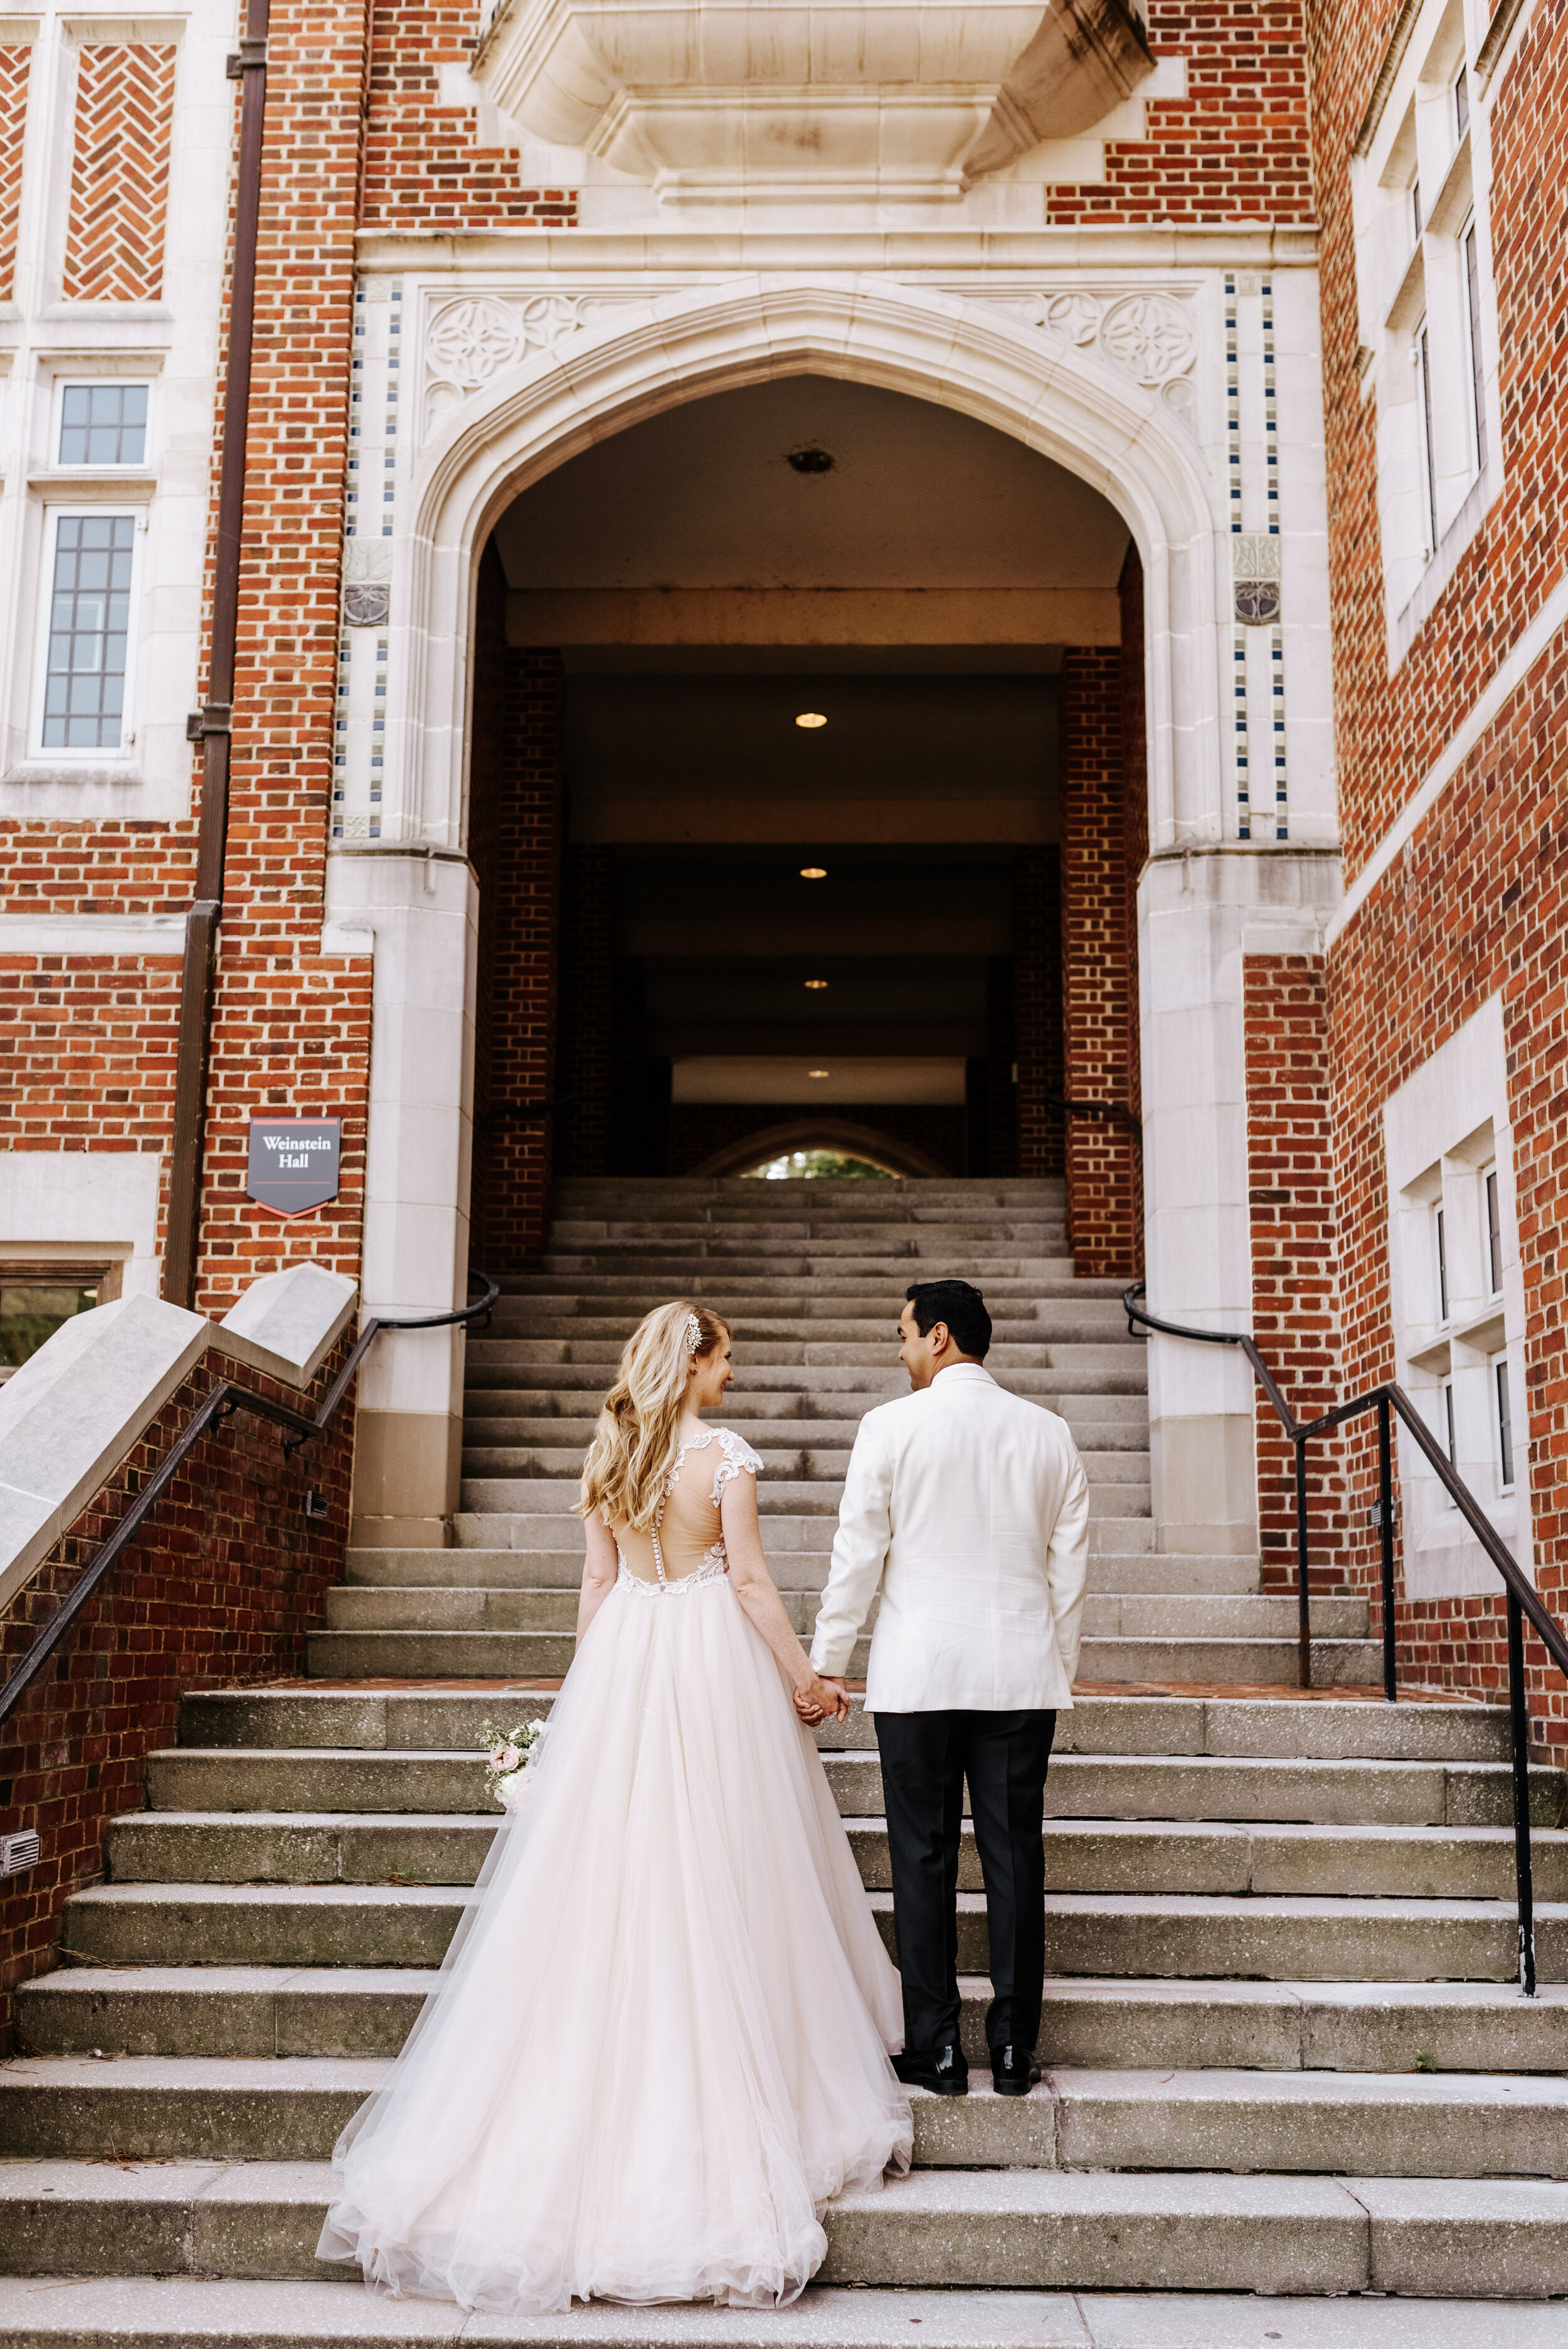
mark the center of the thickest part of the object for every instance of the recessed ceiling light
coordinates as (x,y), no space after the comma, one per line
(819,1072)
(816,983)
(810,460)
(811,718)
(813,872)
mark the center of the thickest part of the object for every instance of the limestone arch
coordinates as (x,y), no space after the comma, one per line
(640,355)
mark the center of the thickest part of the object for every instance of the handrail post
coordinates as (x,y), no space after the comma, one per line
(1386,1531)
(1519,1722)
(1302,1601)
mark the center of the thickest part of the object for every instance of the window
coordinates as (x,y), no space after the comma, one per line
(1461,105)
(89,624)
(1415,211)
(1473,334)
(1440,1235)
(103,424)
(31,1311)
(1423,356)
(1493,1211)
(1504,1423)
(1451,1438)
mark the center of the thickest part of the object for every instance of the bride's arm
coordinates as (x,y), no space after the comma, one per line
(600,1567)
(754,1587)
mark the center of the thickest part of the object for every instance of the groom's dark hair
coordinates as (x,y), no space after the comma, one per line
(960,1306)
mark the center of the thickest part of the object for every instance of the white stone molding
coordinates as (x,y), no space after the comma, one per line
(628,362)
(73,1410)
(1146,336)
(717,102)
(95,1207)
(287,1322)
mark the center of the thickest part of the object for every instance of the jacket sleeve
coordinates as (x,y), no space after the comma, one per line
(1066,1561)
(860,1551)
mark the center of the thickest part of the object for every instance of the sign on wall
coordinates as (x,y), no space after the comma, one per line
(293,1165)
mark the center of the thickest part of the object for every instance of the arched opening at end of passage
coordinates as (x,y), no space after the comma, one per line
(806,637)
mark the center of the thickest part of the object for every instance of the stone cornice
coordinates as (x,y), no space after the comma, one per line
(683,251)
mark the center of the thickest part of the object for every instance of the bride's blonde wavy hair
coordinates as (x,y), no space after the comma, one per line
(638,1434)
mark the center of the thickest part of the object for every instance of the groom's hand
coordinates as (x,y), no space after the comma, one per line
(835,1686)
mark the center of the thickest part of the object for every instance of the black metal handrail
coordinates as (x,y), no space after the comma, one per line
(1523,1599)
(225,1400)
(1118,1110)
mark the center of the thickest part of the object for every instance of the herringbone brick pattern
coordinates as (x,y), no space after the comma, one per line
(14,64)
(120,175)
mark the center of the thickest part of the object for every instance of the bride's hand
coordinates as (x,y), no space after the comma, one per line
(820,1698)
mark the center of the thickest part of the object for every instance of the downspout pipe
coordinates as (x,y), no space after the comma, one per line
(209,725)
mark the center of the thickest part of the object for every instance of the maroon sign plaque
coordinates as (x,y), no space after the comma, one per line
(293,1165)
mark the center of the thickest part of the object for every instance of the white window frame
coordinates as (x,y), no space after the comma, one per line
(66,380)
(1434,485)
(123,755)
(1446,1129)
(1500,1372)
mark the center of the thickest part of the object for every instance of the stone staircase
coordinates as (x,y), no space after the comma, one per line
(1285,2054)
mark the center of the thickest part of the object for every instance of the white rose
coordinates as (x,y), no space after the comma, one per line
(511,1791)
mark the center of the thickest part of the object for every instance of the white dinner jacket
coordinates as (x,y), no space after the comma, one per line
(968,1508)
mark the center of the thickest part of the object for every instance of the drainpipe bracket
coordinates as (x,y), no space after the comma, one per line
(212,718)
(251,57)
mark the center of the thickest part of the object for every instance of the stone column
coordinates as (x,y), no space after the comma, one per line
(1200,911)
(421,914)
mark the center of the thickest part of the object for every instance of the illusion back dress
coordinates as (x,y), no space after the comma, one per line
(659,2041)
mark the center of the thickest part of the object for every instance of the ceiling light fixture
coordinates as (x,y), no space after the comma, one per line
(819,1072)
(810,720)
(816,984)
(813,872)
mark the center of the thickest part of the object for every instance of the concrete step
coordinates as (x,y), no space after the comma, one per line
(558,1368)
(560,1567)
(805,1520)
(1079,1786)
(1430,2230)
(1186,1856)
(1150,2026)
(1323,1729)
(1072,1321)
(792,1482)
(495,1447)
(291,2108)
(457,1607)
(1118,1368)
(1112,1421)
(1210,1936)
(835,1285)
(519,1655)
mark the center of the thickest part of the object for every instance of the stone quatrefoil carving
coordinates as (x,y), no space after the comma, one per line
(471,341)
(1145,336)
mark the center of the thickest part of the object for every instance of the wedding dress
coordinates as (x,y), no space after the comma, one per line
(659,2041)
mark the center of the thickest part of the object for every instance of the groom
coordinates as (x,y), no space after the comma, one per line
(968,1508)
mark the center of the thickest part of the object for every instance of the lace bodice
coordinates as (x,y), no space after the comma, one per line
(696,1548)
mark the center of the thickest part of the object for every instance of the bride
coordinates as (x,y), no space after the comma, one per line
(659,2041)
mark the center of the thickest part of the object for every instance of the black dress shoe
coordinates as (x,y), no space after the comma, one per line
(942,2069)
(1013,2071)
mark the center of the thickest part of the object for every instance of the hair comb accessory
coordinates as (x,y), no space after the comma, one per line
(693,1335)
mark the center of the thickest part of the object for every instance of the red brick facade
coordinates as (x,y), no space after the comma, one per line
(120,176)
(1099,988)
(15,68)
(424,167)
(1473,906)
(221,1587)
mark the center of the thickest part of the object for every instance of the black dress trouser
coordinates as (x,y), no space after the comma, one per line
(925,1758)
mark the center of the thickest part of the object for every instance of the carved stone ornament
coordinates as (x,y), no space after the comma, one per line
(468,342)
(368,558)
(1255,568)
(1149,335)
(717,101)
(367,607)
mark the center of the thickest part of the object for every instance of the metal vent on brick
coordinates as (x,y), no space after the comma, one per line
(19,1852)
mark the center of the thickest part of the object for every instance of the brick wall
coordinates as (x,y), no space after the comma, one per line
(91,1057)
(424,166)
(516,804)
(1474,905)
(698,1130)
(1038,1009)
(219,1588)
(584,1060)
(120,171)
(1295,1255)
(14,66)
(291,1030)
(1236,147)
(1098,981)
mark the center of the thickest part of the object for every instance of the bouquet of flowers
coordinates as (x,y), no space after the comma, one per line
(511,1753)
